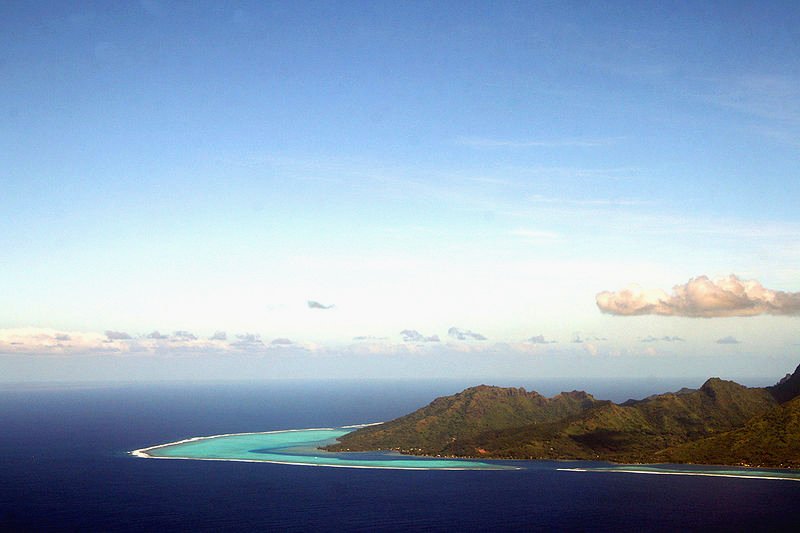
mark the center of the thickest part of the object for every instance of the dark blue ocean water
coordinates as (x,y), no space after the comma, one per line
(64,466)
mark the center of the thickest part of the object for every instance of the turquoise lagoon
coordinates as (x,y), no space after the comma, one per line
(300,447)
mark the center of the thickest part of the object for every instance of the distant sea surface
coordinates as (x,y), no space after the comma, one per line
(64,466)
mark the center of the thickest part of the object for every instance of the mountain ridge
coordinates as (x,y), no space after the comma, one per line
(691,425)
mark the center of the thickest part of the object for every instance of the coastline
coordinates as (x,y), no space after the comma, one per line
(679,473)
(143,452)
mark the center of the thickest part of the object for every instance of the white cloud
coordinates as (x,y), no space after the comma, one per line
(184,336)
(665,338)
(701,297)
(465,334)
(316,305)
(412,335)
(50,341)
(45,341)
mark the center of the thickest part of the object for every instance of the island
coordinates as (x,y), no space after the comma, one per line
(721,423)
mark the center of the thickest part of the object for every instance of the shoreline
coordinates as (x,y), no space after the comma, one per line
(678,473)
(325,465)
(142,452)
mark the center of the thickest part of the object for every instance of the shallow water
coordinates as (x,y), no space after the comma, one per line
(300,447)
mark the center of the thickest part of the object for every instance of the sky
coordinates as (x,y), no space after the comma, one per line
(206,190)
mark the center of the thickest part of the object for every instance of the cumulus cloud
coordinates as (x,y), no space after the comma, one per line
(218,336)
(412,335)
(62,337)
(157,336)
(701,297)
(281,341)
(370,338)
(539,339)
(316,305)
(665,338)
(728,340)
(247,341)
(183,335)
(465,334)
(117,335)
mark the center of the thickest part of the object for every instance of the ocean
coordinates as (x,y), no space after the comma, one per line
(65,466)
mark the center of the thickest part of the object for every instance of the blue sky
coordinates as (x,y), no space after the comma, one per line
(488,167)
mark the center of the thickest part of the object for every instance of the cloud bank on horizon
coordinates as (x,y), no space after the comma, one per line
(701,297)
(32,341)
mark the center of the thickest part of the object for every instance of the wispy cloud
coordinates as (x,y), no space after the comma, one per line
(465,334)
(312,304)
(247,341)
(772,100)
(578,339)
(183,335)
(486,142)
(767,96)
(39,341)
(412,335)
(577,173)
(585,201)
(219,336)
(665,338)
(701,297)
(539,339)
(362,338)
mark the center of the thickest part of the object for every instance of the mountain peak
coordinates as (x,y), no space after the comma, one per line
(787,388)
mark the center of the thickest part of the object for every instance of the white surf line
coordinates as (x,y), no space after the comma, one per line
(142,452)
(708,474)
(328,465)
(362,425)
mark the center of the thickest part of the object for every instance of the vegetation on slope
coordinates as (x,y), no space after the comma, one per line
(771,440)
(469,413)
(722,423)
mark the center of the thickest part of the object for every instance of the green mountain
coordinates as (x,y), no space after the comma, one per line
(464,416)
(771,439)
(787,388)
(686,426)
